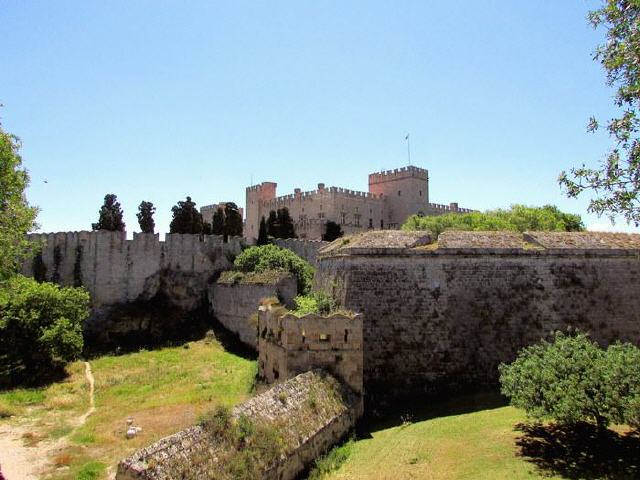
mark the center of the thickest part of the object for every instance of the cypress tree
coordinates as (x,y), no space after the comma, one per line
(263,238)
(110,216)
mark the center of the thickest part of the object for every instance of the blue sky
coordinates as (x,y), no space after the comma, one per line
(156,100)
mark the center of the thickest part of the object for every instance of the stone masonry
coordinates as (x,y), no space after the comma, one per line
(289,345)
(313,411)
(235,305)
(441,316)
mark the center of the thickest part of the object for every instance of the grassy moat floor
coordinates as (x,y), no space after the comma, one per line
(165,390)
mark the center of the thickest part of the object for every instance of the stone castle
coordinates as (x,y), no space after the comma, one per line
(393,196)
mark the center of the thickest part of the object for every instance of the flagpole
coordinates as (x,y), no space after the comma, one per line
(408,148)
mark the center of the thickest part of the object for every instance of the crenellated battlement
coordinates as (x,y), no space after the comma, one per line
(437,208)
(399,173)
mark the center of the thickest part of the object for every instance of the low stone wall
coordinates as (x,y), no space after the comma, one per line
(235,305)
(311,412)
(307,249)
(441,316)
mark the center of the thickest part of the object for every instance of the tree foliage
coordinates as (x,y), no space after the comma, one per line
(332,231)
(232,220)
(616,182)
(263,237)
(186,218)
(572,379)
(217,223)
(145,217)
(271,257)
(518,218)
(280,224)
(40,327)
(110,215)
(17,217)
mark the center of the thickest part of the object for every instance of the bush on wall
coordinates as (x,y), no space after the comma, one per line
(271,257)
(40,328)
(517,218)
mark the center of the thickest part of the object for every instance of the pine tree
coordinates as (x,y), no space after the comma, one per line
(217,223)
(263,238)
(110,215)
(186,218)
(145,217)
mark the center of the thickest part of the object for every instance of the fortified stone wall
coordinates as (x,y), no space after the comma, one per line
(289,345)
(117,271)
(311,411)
(235,305)
(444,316)
(307,249)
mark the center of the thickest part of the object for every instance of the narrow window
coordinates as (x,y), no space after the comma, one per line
(371,223)
(399,193)
(420,193)
(346,336)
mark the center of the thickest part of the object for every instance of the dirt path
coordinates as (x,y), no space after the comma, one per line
(20,462)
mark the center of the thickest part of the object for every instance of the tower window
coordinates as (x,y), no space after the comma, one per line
(399,193)
(420,193)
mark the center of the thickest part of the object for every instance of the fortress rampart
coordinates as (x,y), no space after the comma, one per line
(117,272)
(444,316)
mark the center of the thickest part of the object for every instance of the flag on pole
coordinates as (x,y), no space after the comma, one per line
(407,137)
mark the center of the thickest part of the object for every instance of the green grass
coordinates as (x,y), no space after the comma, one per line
(478,445)
(163,390)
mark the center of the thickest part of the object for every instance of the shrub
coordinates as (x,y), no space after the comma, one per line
(315,302)
(573,380)
(40,327)
(518,218)
(271,257)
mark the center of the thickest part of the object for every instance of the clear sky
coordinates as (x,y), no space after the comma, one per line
(155,100)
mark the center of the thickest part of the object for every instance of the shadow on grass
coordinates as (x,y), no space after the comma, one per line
(419,408)
(579,452)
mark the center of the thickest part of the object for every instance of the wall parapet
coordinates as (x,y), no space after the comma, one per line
(390,242)
(289,345)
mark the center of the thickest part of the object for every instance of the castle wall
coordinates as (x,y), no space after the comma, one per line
(308,428)
(393,196)
(307,249)
(235,305)
(445,316)
(117,271)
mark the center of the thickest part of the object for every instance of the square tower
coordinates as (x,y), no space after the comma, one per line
(405,192)
(256,194)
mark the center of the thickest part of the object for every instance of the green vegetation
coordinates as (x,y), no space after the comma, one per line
(247,447)
(446,445)
(271,257)
(315,302)
(518,218)
(615,182)
(572,380)
(163,390)
(110,215)
(145,217)
(16,216)
(40,327)
(332,461)
(264,277)
(186,218)
(280,224)
(332,231)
